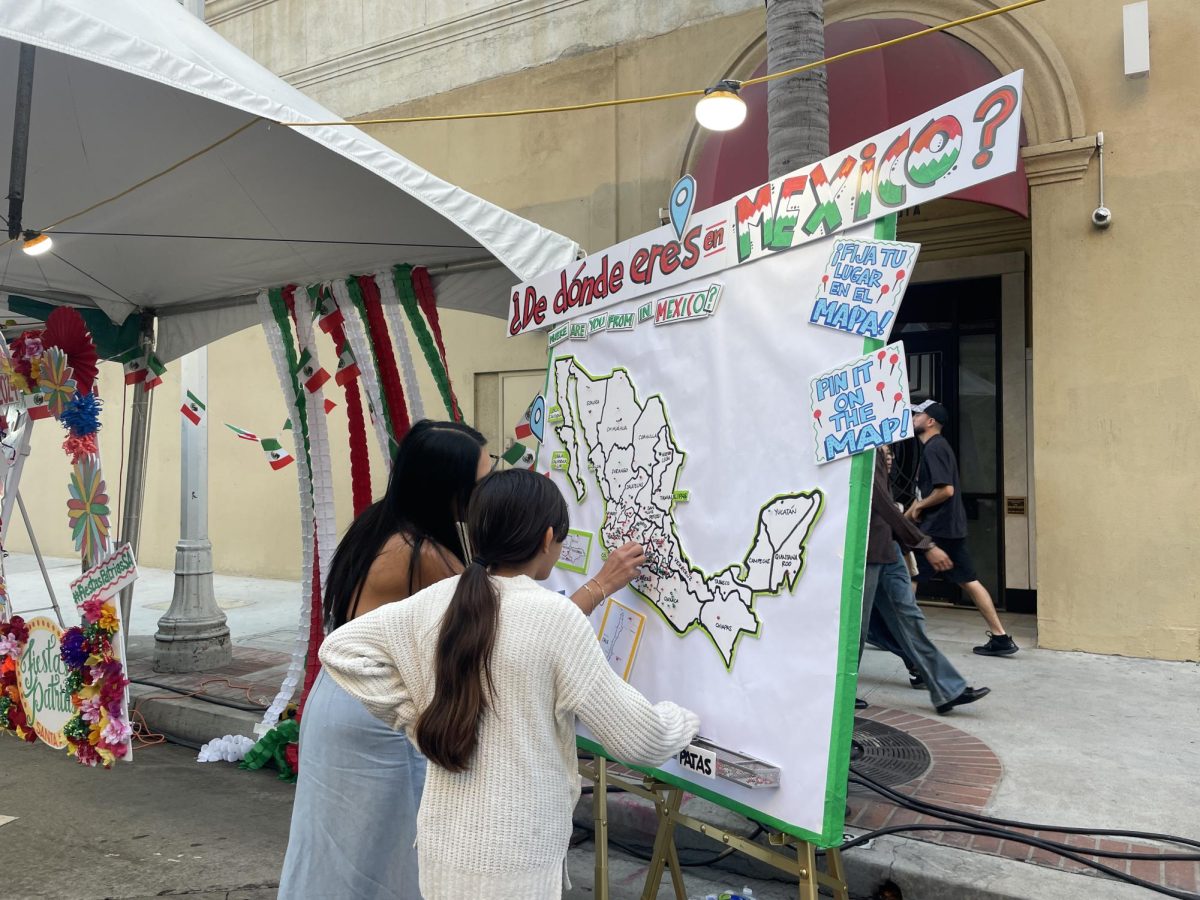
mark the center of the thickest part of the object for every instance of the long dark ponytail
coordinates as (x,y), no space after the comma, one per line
(433,475)
(508,517)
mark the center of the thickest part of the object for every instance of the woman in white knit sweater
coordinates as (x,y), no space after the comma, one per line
(487,672)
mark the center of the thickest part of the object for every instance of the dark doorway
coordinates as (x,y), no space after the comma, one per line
(951,332)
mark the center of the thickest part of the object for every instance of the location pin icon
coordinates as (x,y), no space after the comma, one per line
(537,417)
(683,195)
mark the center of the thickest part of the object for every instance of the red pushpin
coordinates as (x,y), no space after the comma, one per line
(817,414)
(880,355)
(896,400)
(883,291)
(879,387)
(824,282)
(893,359)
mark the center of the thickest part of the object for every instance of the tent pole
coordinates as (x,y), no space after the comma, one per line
(135,473)
(20,142)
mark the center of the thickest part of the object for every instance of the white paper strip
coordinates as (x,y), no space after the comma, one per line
(361,348)
(397,323)
(304,479)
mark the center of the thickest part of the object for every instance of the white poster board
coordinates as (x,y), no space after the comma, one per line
(679,415)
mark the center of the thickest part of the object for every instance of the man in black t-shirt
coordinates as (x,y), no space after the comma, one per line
(943,517)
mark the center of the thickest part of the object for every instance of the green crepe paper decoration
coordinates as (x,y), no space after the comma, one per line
(111,340)
(402,276)
(272,747)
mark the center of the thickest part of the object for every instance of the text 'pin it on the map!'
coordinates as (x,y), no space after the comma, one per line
(683,196)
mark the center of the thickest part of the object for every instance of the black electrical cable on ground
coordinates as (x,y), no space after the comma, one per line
(207,698)
(977,824)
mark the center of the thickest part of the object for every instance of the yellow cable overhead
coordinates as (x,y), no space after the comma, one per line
(629,101)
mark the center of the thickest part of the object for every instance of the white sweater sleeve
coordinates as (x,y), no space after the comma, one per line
(626,723)
(361,660)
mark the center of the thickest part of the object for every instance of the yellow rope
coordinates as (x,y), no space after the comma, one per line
(145,181)
(628,101)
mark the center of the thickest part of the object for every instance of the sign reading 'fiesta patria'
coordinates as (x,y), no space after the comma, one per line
(43,677)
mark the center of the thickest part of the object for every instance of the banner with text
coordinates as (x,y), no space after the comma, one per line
(969,140)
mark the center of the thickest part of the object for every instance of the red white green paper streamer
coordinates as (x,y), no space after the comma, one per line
(360,346)
(391,310)
(275,321)
(322,489)
(402,277)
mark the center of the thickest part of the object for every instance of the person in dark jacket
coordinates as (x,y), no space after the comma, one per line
(888,590)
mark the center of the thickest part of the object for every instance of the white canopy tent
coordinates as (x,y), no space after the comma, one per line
(126,89)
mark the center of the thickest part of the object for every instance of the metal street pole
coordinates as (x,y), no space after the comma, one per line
(193,635)
(135,472)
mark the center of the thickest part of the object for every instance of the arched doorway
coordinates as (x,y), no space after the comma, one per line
(964,316)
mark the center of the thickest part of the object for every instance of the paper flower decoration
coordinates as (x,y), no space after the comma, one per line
(55,381)
(66,330)
(87,510)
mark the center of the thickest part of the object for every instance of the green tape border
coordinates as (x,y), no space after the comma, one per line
(854,560)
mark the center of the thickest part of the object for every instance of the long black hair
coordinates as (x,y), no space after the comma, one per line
(433,475)
(508,517)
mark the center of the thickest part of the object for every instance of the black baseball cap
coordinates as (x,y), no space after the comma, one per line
(934,410)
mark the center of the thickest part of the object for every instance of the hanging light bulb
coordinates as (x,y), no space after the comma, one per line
(721,108)
(37,243)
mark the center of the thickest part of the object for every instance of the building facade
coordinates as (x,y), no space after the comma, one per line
(1073,415)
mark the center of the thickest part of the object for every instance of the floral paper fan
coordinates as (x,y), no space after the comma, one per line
(66,330)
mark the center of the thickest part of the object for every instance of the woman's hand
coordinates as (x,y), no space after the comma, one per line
(620,568)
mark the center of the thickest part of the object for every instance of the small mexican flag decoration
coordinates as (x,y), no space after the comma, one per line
(327,313)
(347,368)
(154,373)
(311,372)
(242,433)
(193,409)
(519,456)
(134,363)
(276,455)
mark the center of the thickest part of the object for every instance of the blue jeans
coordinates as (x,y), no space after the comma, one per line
(897,606)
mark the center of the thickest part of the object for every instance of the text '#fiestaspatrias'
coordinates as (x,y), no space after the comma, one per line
(529,308)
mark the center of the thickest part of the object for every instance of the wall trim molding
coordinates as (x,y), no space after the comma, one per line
(1058,161)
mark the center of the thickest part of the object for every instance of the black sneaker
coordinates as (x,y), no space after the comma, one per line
(860,703)
(915,681)
(998,645)
(970,695)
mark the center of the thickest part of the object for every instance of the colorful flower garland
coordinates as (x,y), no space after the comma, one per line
(13,635)
(99,731)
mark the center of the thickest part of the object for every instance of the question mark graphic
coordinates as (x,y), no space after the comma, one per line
(1005,98)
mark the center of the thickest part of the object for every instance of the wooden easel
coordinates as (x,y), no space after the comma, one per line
(796,858)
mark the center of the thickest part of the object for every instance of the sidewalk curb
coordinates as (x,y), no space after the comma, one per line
(188,720)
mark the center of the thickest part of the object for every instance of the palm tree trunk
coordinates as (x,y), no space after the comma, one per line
(798,106)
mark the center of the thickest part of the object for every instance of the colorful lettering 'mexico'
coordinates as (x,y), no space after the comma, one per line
(826,212)
(935,151)
(750,212)
(891,190)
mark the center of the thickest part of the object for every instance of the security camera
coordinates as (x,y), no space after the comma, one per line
(1102,217)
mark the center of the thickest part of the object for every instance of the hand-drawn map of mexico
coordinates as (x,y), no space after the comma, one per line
(680,414)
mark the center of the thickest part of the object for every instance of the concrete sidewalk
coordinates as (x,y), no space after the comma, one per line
(1067,739)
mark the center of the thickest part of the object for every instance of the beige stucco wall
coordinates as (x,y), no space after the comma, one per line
(1114,395)
(1113,400)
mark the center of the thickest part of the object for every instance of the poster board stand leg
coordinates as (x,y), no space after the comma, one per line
(37,552)
(795,858)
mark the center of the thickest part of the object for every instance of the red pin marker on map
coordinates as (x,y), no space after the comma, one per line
(896,400)
(899,276)
(883,291)
(824,282)
(880,355)
(879,387)
(817,414)
(893,359)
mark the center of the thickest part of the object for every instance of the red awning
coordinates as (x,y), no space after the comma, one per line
(867,94)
